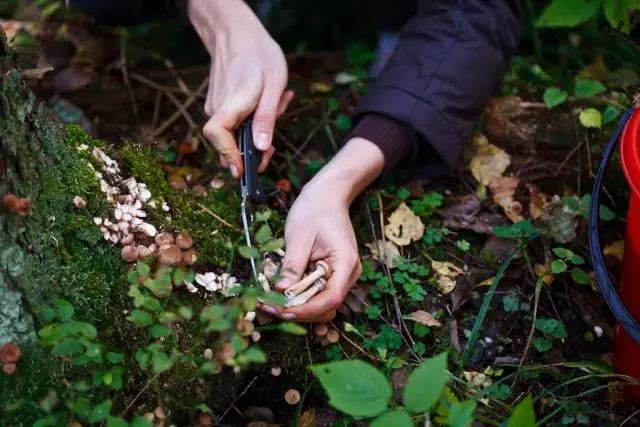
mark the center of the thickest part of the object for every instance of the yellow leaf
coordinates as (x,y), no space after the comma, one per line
(425,318)
(488,160)
(544,272)
(384,251)
(319,87)
(616,250)
(307,418)
(404,226)
(445,275)
(477,379)
(503,189)
(537,201)
(446,284)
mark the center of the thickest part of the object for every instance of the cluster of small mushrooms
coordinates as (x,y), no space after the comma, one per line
(9,356)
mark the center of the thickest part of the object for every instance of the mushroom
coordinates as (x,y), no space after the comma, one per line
(276,371)
(24,207)
(169,255)
(208,354)
(146,228)
(97,220)
(79,202)
(159,413)
(10,353)
(9,368)
(189,257)
(144,251)
(10,201)
(320,329)
(255,336)
(333,336)
(164,239)
(292,396)
(184,241)
(130,253)
(127,239)
(145,194)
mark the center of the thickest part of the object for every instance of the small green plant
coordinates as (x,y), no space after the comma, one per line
(551,329)
(565,258)
(359,390)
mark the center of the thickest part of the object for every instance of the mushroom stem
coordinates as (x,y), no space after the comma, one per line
(305,296)
(322,270)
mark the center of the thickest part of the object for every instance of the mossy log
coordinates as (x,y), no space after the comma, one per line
(56,251)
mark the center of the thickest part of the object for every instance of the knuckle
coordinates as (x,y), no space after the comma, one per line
(335,300)
(291,267)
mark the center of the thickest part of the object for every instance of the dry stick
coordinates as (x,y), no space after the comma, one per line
(156,110)
(246,389)
(350,341)
(172,69)
(629,418)
(127,82)
(568,157)
(168,122)
(303,145)
(142,390)
(288,144)
(207,210)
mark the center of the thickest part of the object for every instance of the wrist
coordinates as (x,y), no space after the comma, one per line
(351,171)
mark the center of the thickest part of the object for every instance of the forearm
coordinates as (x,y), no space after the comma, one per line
(350,172)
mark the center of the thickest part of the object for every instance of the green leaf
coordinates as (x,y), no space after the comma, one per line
(179,276)
(142,357)
(610,113)
(568,13)
(397,418)
(403,193)
(562,253)
(617,14)
(580,276)
(554,96)
(255,355)
(292,328)
(140,318)
(248,252)
(425,384)
(461,414)
(558,266)
(263,216)
(343,122)
(143,268)
(591,118)
(185,312)
(274,298)
(100,412)
(589,88)
(263,234)
(68,346)
(161,362)
(116,422)
(212,312)
(552,327)
(64,310)
(219,325)
(116,378)
(576,259)
(115,357)
(606,214)
(158,331)
(523,415)
(272,245)
(354,387)
(141,422)
(542,344)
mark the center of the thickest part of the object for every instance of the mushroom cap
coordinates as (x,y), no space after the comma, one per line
(292,396)
(189,256)
(9,368)
(164,239)
(10,353)
(320,329)
(10,201)
(129,253)
(24,206)
(169,255)
(333,336)
(327,268)
(184,241)
(276,371)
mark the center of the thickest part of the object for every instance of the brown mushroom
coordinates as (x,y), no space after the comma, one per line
(129,253)
(199,190)
(24,207)
(10,201)
(184,241)
(227,352)
(189,257)
(177,183)
(159,413)
(320,329)
(10,353)
(164,239)
(276,371)
(169,255)
(9,368)
(292,396)
(79,202)
(333,336)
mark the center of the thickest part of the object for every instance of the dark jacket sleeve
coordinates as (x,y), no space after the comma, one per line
(450,57)
(131,12)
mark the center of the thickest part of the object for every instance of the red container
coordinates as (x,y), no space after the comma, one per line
(626,352)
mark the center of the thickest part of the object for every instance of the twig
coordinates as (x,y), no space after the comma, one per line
(288,143)
(629,418)
(539,285)
(127,82)
(302,146)
(568,157)
(207,210)
(142,390)
(246,389)
(168,122)
(350,341)
(156,110)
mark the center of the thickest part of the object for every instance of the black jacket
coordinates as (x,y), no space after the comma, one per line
(451,56)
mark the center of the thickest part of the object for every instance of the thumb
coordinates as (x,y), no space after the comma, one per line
(295,260)
(264,118)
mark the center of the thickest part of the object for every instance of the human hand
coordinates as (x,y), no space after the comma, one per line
(248,75)
(318,228)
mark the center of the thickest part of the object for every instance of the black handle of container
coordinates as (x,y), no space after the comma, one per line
(622,315)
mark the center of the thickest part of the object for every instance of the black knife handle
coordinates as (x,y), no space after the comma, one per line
(251,158)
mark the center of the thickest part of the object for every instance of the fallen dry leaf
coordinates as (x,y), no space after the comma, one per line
(488,161)
(319,87)
(307,418)
(503,189)
(404,226)
(425,318)
(543,271)
(357,297)
(537,201)
(477,379)
(559,222)
(616,250)
(388,252)
(445,275)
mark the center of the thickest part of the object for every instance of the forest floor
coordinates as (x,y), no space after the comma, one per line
(518,311)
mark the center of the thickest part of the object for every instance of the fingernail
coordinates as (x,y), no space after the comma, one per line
(288,316)
(269,309)
(234,171)
(263,141)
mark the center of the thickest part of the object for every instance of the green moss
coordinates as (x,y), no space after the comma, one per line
(213,240)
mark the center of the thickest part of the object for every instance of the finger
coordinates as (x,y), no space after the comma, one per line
(219,131)
(285,100)
(223,162)
(296,257)
(324,317)
(266,157)
(264,118)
